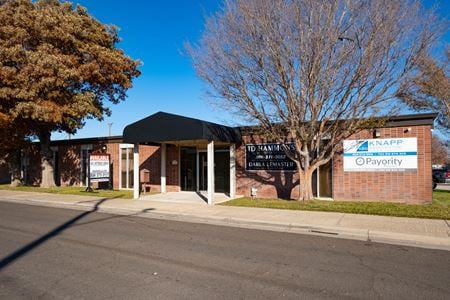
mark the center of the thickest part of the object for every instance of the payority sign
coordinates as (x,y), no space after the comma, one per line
(380,155)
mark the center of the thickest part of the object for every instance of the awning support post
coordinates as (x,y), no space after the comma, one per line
(163,168)
(136,171)
(232,171)
(210,159)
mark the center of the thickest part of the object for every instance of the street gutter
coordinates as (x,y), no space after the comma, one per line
(366,235)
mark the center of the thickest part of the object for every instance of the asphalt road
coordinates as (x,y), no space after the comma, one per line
(49,253)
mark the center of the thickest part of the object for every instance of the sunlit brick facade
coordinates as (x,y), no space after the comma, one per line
(409,186)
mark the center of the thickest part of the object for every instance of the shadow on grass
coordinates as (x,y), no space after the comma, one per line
(7,260)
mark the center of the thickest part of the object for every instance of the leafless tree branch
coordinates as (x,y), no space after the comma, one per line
(322,69)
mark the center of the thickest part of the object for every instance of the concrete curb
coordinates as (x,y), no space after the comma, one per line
(367,235)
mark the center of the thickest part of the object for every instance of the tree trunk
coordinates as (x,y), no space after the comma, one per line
(48,179)
(305,185)
(14,166)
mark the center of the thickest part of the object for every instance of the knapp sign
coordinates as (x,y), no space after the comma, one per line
(398,154)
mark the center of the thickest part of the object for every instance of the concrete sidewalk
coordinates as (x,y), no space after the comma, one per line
(434,234)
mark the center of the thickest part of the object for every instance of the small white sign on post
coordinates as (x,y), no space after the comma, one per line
(99,167)
(380,155)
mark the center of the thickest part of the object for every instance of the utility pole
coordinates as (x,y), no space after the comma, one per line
(109,128)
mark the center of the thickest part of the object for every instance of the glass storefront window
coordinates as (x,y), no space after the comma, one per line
(126,167)
(325,180)
(84,157)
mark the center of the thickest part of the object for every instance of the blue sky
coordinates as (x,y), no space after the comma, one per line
(154,32)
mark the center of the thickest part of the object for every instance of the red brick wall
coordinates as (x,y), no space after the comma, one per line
(172,170)
(69,164)
(405,187)
(149,158)
(113,150)
(33,170)
(269,184)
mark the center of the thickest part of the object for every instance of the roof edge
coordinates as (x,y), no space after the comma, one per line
(392,121)
(412,120)
(115,138)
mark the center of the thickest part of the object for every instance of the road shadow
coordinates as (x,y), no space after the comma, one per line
(7,260)
(205,199)
(113,217)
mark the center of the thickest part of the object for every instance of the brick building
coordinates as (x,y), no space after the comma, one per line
(174,153)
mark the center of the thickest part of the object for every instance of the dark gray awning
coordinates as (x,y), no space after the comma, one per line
(163,127)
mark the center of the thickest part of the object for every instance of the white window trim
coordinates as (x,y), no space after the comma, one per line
(124,146)
(84,147)
(318,184)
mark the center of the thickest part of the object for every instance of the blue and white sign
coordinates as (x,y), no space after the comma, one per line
(380,155)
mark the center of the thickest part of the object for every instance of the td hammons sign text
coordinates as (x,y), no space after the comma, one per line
(268,157)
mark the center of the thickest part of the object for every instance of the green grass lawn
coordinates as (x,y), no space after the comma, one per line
(72,191)
(441,197)
(439,209)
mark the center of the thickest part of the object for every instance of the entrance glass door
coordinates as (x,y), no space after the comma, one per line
(222,171)
(325,181)
(188,169)
(322,181)
(203,171)
(194,170)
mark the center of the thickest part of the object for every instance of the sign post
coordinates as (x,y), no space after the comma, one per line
(89,188)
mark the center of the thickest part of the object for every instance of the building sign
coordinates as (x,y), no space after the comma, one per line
(268,157)
(380,155)
(99,167)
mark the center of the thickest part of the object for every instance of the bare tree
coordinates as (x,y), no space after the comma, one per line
(440,153)
(311,72)
(429,89)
